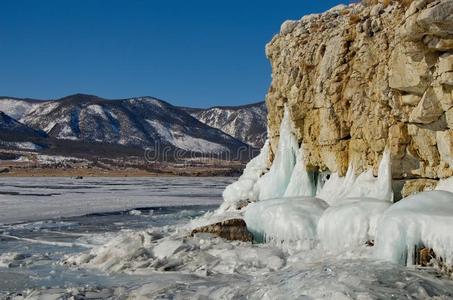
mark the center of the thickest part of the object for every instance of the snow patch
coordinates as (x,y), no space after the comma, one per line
(16,108)
(97,110)
(22,145)
(184,141)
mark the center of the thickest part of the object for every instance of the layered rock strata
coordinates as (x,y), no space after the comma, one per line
(358,79)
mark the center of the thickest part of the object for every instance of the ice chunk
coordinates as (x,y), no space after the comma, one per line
(117,253)
(168,248)
(243,188)
(364,185)
(145,252)
(274,183)
(424,219)
(350,223)
(135,212)
(302,182)
(286,220)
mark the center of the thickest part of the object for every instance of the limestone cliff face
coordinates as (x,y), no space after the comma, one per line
(359,78)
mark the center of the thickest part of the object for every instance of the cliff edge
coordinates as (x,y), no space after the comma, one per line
(359,78)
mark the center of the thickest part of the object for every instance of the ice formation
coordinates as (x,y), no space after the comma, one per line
(244,188)
(364,185)
(351,223)
(302,182)
(145,252)
(421,220)
(274,183)
(286,220)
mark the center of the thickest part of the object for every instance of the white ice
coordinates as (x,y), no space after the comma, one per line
(363,185)
(424,219)
(243,189)
(37,198)
(274,183)
(208,267)
(351,223)
(154,250)
(302,182)
(286,220)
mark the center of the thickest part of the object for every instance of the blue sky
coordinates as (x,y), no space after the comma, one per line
(195,53)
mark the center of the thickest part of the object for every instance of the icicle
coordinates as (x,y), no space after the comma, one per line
(301,182)
(364,185)
(274,183)
(336,187)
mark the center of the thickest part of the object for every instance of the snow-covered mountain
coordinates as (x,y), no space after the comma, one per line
(17,108)
(138,122)
(247,123)
(14,134)
(12,126)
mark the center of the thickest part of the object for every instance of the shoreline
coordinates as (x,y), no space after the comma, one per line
(73,173)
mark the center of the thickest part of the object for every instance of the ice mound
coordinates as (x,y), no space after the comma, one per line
(302,183)
(244,188)
(289,220)
(351,223)
(274,183)
(424,219)
(149,251)
(337,188)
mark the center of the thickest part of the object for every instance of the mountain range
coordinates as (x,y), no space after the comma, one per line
(133,123)
(246,123)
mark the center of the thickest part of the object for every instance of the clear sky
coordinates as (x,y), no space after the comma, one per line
(194,53)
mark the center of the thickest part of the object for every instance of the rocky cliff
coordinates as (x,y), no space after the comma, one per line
(360,78)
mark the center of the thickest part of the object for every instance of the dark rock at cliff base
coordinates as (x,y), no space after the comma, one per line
(233,230)
(426,257)
(4,170)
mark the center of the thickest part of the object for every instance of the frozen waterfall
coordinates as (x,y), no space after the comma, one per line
(274,183)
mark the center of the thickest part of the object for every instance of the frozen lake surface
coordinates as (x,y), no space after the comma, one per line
(128,238)
(28,199)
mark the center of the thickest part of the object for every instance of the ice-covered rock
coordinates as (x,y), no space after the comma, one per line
(243,190)
(418,221)
(289,220)
(274,183)
(351,223)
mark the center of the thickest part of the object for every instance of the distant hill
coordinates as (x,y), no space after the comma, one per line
(247,123)
(14,134)
(142,122)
